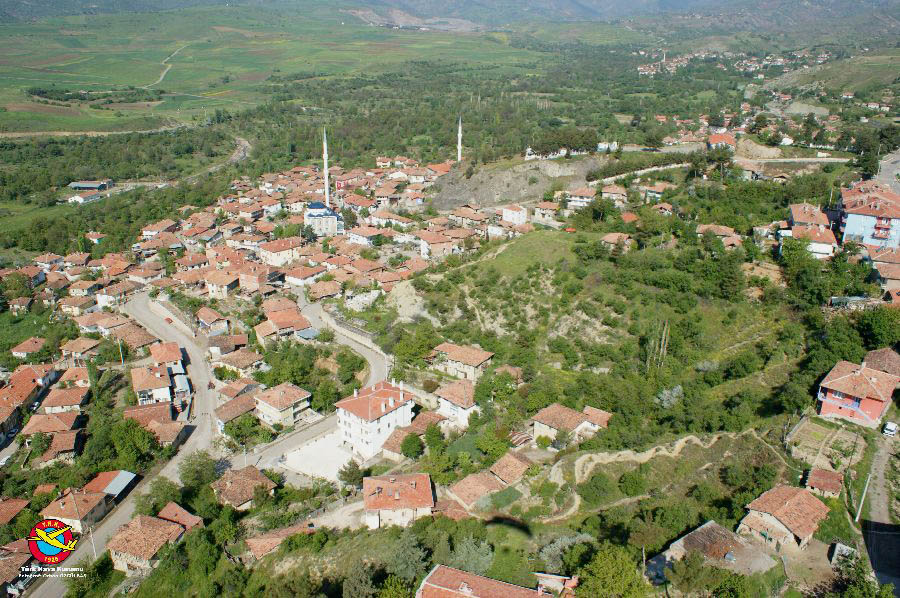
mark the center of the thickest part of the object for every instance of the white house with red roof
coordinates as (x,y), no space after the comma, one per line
(462,361)
(551,419)
(368,417)
(456,402)
(820,240)
(397,499)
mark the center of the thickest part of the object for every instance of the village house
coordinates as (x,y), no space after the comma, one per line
(722,141)
(211,322)
(545,211)
(243,362)
(283,405)
(367,236)
(580,424)
(514,214)
(472,491)
(806,214)
(234,408)
(237,487)
(446,582)
(114,483)
(616,194)
(304,275)
(856,393)
(177,514)
(266,543)
(220,284)
(368,417)
(719,546)
(28,347)
(820,240)
(281,251)
(156,418)
(135,546)
(825,482)
(78,509)
(655,192)
(465,362)
(151,385)
(397,499)
(614,241)
(456,402)
(434,245)
(785,516)
(580,198)
(61,400)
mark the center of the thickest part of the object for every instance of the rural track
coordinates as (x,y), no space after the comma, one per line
(167,66)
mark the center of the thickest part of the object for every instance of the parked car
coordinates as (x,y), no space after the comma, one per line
(5,460)
(890,429)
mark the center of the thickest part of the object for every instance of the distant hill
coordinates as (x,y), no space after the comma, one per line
(767,14)
(23,10)
(763,15)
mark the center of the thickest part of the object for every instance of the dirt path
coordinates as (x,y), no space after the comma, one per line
(881,536)
(168,66)
(240,153)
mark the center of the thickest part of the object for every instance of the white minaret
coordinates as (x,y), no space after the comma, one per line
(325,158)
(459,142)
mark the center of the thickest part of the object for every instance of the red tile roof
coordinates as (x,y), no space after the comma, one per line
(237,486)
(143,536)
(474,487)
(10,507)
(861,381)
(511,467)
(176,514)
(795,508)
(825,480)
(373,402)
(446,582)
(459,392)
(400,491)
(283,396)
(466,354)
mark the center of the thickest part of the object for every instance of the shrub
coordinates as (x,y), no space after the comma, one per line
(633,483)
(430,385)
(504,498)
(597,489)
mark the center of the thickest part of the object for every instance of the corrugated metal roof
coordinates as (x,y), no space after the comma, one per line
(119,483)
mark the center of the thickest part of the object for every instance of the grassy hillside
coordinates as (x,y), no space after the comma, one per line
(223,56)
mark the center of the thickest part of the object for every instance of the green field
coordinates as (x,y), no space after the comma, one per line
(224,56)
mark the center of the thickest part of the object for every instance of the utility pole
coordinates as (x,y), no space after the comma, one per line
(862,499)
(325,159)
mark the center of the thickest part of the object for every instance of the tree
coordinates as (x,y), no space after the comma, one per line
(472,556)
(197,470)
(434,439)
(855,581)
(733,586)
(412,446)
(879,327)
(611,573)
(408,560)
(351,474)
(394,587)
(691,574)
(358,584)
(162,491)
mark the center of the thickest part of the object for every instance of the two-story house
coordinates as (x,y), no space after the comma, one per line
(282,405)
(856,393)
(461,361)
